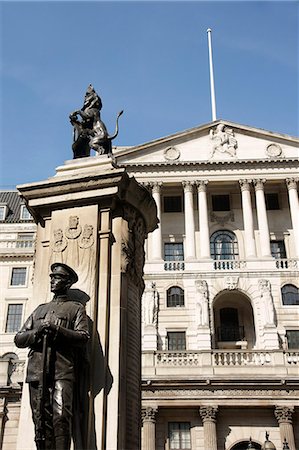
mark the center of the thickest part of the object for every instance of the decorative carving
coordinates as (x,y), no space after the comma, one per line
(274,150)
(150,304)
(229,217)
(188,186)
(59,243)
(291,183)
(149,413)
(74,229)
(284,414)
(266,302)
(220,393)
(87,239)
(259,184)
(202,303)
(224,140)
(171,154)
(202,185)
(156,187)
(245,185)
(231,282)
(208,413)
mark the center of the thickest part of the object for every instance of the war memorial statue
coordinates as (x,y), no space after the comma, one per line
(90,132)
(56,332)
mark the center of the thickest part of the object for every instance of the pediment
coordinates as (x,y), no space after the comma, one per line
(219,141)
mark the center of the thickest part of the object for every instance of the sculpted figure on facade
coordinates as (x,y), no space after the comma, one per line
(150,304)
(202,303)
(224,140)
(58,245)
(266,299)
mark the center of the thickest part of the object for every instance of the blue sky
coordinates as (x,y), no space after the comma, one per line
(148,58)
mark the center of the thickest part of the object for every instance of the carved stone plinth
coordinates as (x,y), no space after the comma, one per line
(95,218)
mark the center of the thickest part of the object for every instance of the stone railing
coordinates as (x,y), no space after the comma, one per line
(286,263)
(241,358)
(174,265)
(229,264)
(16,244)
(292,357)
(183,358)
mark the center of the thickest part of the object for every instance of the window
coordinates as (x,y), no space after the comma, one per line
(290,295)
(176,340)
(224,245)
(25,240)
(175,297)
(229,330)
(25,214)
(220,203)
(3,212)
(272,201)
(173,251)
(179,435)
(293,339)
(172,204)
(278,250)
(14,317)
(18,276)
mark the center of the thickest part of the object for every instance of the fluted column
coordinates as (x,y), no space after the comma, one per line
(247,218)
(208,417)
(294,209)
(262,217)
(204,233)
(149,428)
(284,416)
(157,233)
(189,220)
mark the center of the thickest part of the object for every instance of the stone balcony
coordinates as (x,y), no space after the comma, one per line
(211,363)
(17,247)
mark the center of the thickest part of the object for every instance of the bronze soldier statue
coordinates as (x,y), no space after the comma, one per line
(55,332)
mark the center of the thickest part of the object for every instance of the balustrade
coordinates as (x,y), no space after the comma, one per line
(286,263)
(241,358)
(292,357)
(177,358)
(174,265)
(16,243)
(228,264)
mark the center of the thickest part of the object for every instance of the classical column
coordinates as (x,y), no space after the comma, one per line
(262,217)
(247,218)
(204,233)
(284,418)
(294,209)
(189,220)
(149,428)
(208,417)
(156,237)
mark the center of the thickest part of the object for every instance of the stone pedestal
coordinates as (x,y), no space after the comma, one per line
(149,337)
(270,337)
(95,218)
(203,338)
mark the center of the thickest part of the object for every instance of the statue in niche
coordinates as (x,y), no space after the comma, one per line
(150,304)
(267,306)
(202,304)
(90,132)
(224,140)
(56,334)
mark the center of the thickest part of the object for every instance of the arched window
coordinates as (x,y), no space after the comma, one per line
(290,295)
(224,245)
(175,297)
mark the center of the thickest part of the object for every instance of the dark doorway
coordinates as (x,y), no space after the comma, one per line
(244,445)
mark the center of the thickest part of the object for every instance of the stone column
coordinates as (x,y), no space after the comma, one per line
(203,220)
(208,417)
(189,220)
(149,428)
(284,418)
(294,209)
(247,219)
(262,218)
(156,237)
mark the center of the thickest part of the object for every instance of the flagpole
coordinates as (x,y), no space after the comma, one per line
(213,100)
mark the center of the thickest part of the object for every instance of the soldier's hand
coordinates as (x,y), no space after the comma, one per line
(46,327)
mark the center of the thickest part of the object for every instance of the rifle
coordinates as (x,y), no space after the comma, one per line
(40,434)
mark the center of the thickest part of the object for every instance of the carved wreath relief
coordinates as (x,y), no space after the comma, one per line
(224,140)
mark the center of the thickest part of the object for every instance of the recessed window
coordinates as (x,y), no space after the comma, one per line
(293,339)
(224,245)
(18,276)
(179,435)
(175,297)
(3,209)
(173,251)
(172,204)
(14,317)
(272,201)
(220,203)
(25,240)
(25,214)
(290,295)
(229,330)
(176,340)
(278,250)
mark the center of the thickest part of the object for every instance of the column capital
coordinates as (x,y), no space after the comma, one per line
(208,413)
(156,186)
(284,414)
(148,414)
(202,185)
(291,183)
(188,186)
(259,184)
(245,184)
